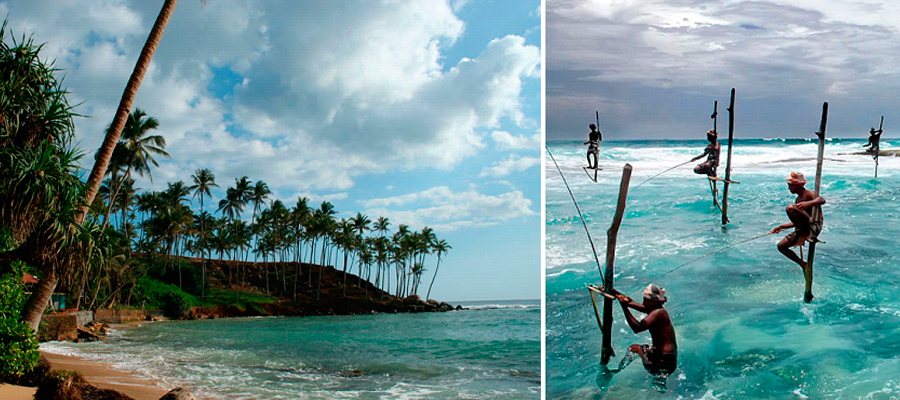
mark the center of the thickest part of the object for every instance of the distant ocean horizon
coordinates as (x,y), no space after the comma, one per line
(491,351)
(743,330)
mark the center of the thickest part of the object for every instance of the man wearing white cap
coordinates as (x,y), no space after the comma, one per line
(660,358)
(800,213)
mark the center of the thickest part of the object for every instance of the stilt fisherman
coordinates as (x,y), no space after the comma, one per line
(594,139)
(712,156)
(661,356)
(806,219)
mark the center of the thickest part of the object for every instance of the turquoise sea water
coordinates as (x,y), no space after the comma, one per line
(491,351)
(743,329)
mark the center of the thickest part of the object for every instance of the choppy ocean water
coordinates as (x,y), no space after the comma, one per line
(491,351)
(743,329)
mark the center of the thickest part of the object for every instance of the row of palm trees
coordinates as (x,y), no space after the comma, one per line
(163,222)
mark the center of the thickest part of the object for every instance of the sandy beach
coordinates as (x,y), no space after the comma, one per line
(13,392)
(98,374)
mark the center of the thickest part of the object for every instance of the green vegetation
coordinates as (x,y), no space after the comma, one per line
(18,345)
(244,300)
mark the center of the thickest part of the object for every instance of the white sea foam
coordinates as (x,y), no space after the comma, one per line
(565,271)
(874,310)
(709,395)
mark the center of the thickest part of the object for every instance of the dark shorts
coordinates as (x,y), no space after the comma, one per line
(659,363)
(707,168)
(815,228)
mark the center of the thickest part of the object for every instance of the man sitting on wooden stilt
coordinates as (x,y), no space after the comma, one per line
(874,138)
(712,152)
(805,227)
(659,358)
(594,139)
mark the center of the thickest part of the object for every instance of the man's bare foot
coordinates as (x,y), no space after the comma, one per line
(807,297)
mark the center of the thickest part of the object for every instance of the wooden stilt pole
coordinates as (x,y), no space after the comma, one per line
(808,271)
(877,149)
(712,184)
(597,157)
(611,234)
(728,162)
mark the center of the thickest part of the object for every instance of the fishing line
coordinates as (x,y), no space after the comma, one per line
(580,215)
(707,255)
(654,176)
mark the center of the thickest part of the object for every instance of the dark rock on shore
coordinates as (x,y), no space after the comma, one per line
(178,393)
(69,385)
(92,332)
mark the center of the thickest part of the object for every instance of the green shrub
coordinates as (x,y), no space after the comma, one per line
(6,240)
(169,298)
(176,304)
(179,271)
(18,345)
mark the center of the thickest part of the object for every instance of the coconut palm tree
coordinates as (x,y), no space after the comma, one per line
(204,180)
(122,112)
(232,205)
(382,225)
(326,229)
(300,215)
(344,240)
(60,117)
(440,248)
(257,195)
(134,152)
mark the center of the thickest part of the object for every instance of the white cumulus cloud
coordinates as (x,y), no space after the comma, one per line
(510,165)
(444,210)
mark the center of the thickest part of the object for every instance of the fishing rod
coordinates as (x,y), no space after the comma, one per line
(654,176)
(714,116)
(580,215)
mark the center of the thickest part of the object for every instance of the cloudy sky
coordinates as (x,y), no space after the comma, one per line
(654,67)
(425,112)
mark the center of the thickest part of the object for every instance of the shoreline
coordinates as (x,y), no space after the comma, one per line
(103,376)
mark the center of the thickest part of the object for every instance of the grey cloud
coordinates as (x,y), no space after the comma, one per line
(799,55)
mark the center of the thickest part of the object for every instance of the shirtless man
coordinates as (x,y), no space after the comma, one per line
(712,152)
(874,138)
(594,139)
(800,215)
(659,358)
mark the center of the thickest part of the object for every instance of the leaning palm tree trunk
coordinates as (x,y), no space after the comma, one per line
(39,299)
(112,136)
(428,295)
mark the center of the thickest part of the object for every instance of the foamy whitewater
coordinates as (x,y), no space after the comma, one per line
(743,330)
(491,351)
